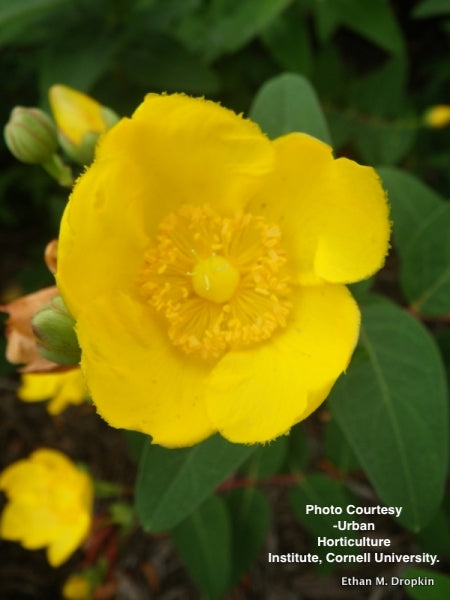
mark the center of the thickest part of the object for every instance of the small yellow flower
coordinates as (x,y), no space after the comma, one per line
(205,265)
(77,587)
(80,120)
(49,504)
(62,389)
(438,116)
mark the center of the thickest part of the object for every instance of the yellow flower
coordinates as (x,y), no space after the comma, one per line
(205,265)
(63,389)
(77,587)
(80,120)
(50,504)
(438,116)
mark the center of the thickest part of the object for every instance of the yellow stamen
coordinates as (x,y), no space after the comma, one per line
(220,282)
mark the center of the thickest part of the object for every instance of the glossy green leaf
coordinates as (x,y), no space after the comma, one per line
(203,541)
(249,515)
(172,483)
(440,590)
(421,230)
(392,406)
(289,103)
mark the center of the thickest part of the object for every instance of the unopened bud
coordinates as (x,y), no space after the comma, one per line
(30,135)
(56,339)
(80,121)
(438,116)
(77,587)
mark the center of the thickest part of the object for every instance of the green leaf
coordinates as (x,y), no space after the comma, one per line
(373,20)
(326,20)
(266,460)
(162,63)
(18,19)
(289,103)
(70,61)
(431,8)
(321,491)
(203,541)
(391,77)
(383,142)
(338,450)
(421,229)
(361,289)
(411,201)
(392,406)
(298,450)
(227,25)
(425,274)
(172,483)
(288,40)
(438,591)
(435,537)
(249,514)
(136,442)
(24,9)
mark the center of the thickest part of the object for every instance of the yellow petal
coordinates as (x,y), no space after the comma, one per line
(68,540)
(258,394)
(62,389)
(196,151)
(24,479)
(38,387)
(53,460)
(102,239)
(30,524)
(72,390)
(174,150)
(136,378)
(333,213)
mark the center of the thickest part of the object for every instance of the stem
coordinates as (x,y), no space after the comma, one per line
(59,171)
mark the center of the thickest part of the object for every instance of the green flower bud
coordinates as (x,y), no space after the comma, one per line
(56,339)
(30,135)
(83,153)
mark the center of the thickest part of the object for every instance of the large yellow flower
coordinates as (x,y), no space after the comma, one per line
(205,266)
(50,504)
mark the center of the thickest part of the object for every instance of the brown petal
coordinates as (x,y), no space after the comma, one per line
(21,345)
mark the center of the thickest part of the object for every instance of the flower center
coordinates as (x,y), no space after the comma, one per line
(214,278)
(220,282)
